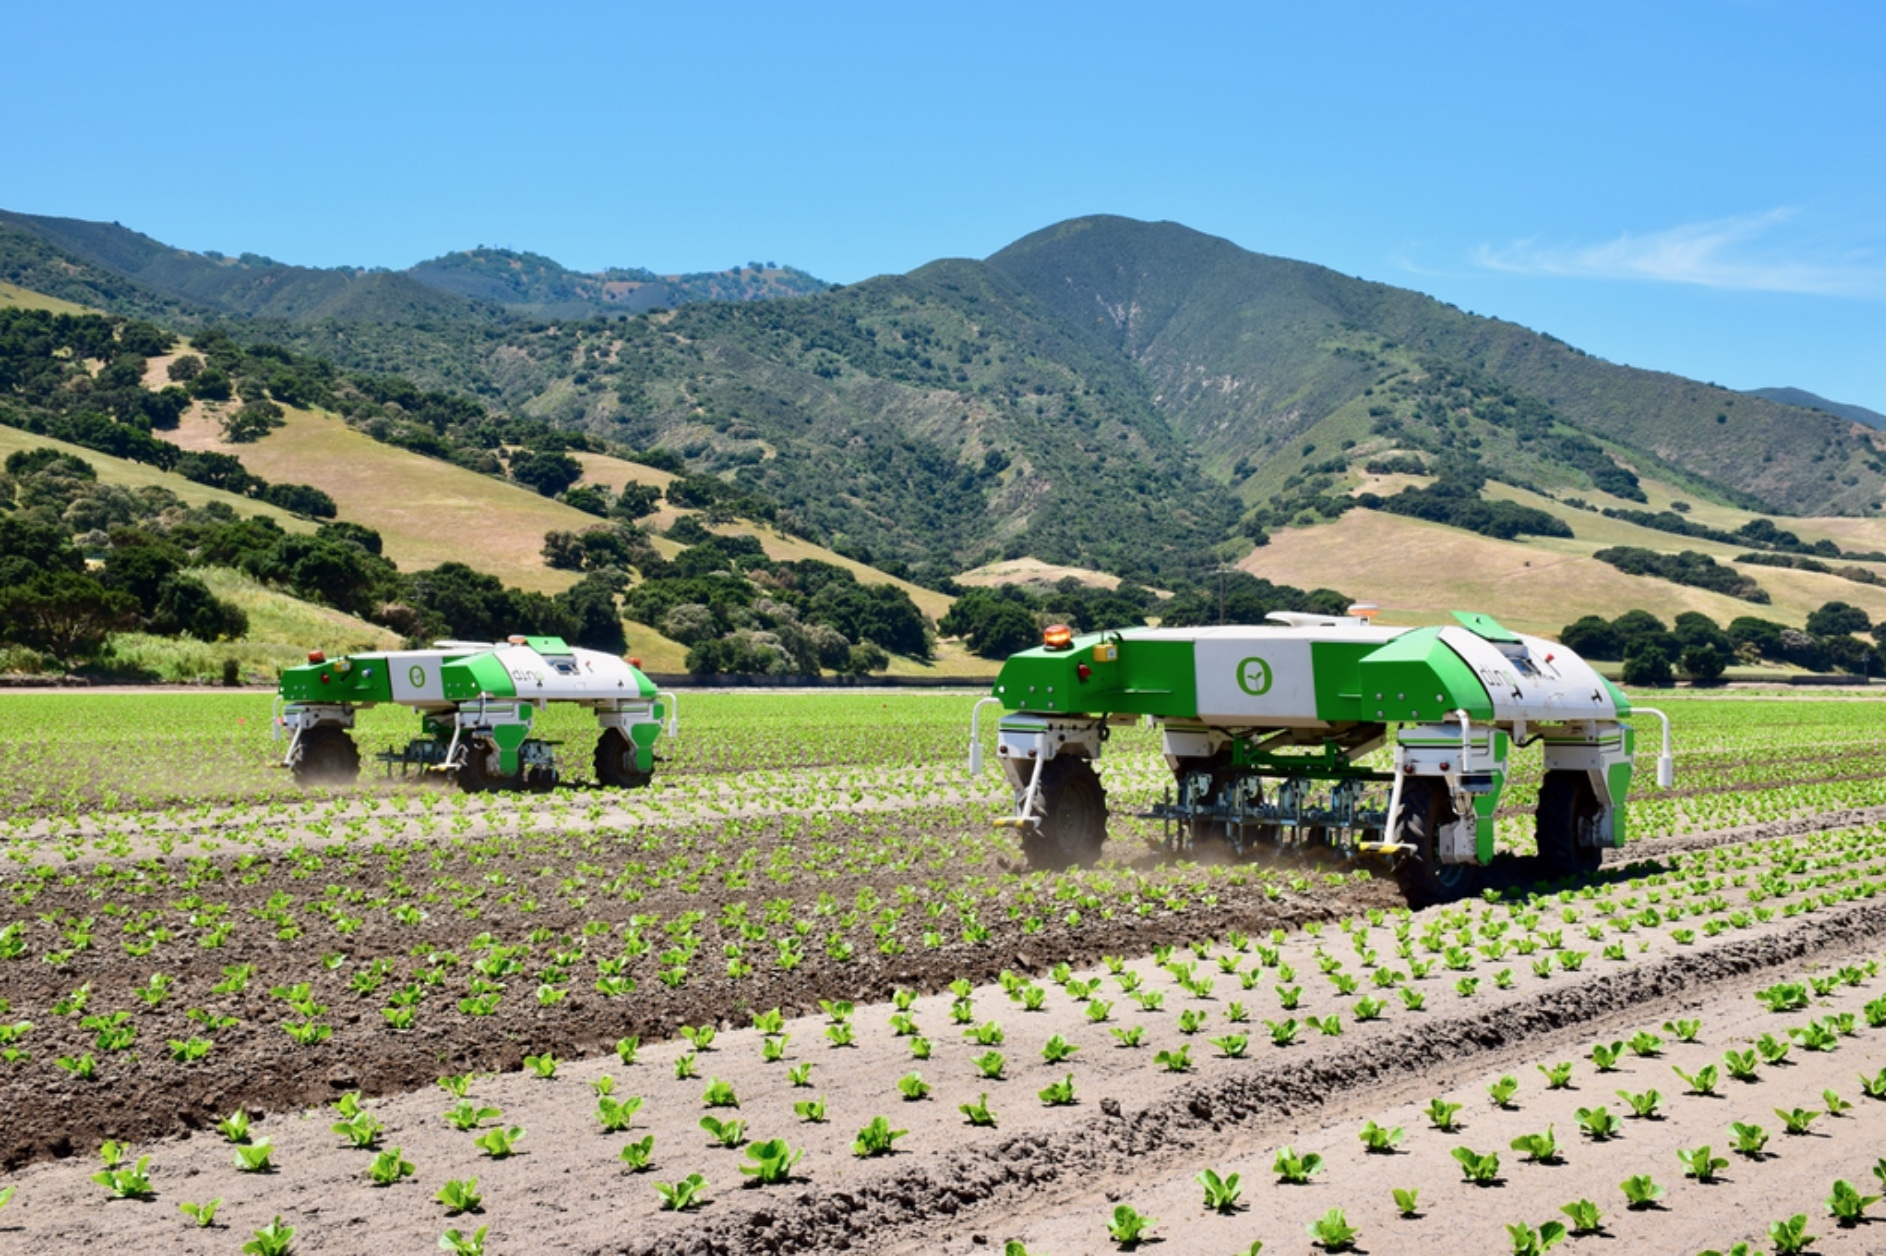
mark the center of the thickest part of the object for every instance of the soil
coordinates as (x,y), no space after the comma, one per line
(1048,1176)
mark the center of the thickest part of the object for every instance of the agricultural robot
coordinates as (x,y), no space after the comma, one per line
(476,701)
(1264,726)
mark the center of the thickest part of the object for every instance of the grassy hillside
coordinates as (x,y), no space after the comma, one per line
(137,475)
(427,511)
(15,297)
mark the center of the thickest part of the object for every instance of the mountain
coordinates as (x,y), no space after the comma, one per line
(534,285)
(476,287)
(1105,393)
(1810,401)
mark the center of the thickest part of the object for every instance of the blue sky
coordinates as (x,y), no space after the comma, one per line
(1697,187)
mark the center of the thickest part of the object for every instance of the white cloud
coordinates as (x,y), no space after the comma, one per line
(1743,252)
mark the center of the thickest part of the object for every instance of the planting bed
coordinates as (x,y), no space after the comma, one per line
(305,948)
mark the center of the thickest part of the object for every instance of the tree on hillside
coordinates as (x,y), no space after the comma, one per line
(548,473)
(65,615)
(1838,619)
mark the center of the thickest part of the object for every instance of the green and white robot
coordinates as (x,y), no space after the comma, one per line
(1264,726)
(476,702)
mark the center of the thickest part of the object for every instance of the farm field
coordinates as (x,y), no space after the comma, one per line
(808,916)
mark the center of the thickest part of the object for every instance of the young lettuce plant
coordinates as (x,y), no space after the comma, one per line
(638,1155)
(1379,1140)
(1539,1148)
(1586,1219)
(1294,1169)
(1407,1202)
(203,1215)
(1441,1114)
(1641,1191)
(461,1244)
(772,1161)
(1502,1091)
(1749,1139)
(1332,1232)
(1643,1105)
(726,1133)
(1480,1169)
(1790,1236)
(1128,1226)
(273,1239)
(1702,1081)
(388,1167)
(1530,1242)
(978,1112)
(683,1195)
(460,1196)
(876,1138)
(1700,1163)
(1221,1194)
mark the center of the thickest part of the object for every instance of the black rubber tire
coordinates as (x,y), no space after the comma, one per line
(615,762)
(327,756)
(1073,806)
(1425,881)
(474,776)
(1565,799)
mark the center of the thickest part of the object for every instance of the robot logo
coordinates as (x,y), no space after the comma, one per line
(417,675)
(1254,677)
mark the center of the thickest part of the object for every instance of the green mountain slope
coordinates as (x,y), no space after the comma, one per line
(528,283)
(1813,401)
(1246,352)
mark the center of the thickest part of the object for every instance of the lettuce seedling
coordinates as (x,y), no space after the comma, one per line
(683,1195)
(988,1034)
(876,1138)
(499,1143)
(273,1239)
(1129,1037)
(1407,1202)
(1749,1139)
(1702,1081)
(700,1037)
(235,1127)
(1539,1148)
(617,1114)
(1441,1113)
(1368,1009)
(1773,1049)
(1700,1163)
(1175,1061)
(770,1022)
(1640,1191)
(719,1094)
(461,1244)
(1790,1236)
(1798,1120)
(1059,1094)
(1232,1045)
(627,1047)
(255,1157)
(1741,1065)
(726,1133)
(467,1116)
(1282,1033)
(1836,1106)
(773,1050)
(1599,1124)
(544,1066)
(800,1074)
(1190,1022)
(978,1112)
(1502,1091)
(124,1183)
(1481,1170)
(638,1155)
(912,1086)
(389,1167)
(1221,1194)
(1874,1087)
(204,1215)
(1294,1169)
(1683,1030)
(1128,1227)
(1058,1049)
(1586,1219)
(1606,1058)
(1413,999)
(1379,1139)
(362,1131)
(772,1161)
(1530,1242)
(1332,1231)
(460,1196)
(1642,1105)
(1557,1076)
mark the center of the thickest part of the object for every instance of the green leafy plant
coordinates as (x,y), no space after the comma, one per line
(131,1182)
(1221,1194)
(1294,1169)
(719,1094)
(913,1087)
(1128,1226)
(1441,1113)
(235,1126)
(361,1131)
(1059,1094)
(1557,1076)
(1539,1148)
(1641,1191)
(1796,1120)
(1599,1124)
(772,1161)
(468,1116)
(1378,1139)
(1175,1061)
(978,1112)
(639,1155)
(1332,1231)
(543,1066)
(1129,1037)
(389,1167)
(1284,1032)
(1701,1163)
(1836,1106)
(726,1133)
(461,1244)
(255,1157)
(1741,1065)
(1749,1139)
(1502,1091)
(800,1075)
(204,1215)
(1683,1030)
(1480,1169)
(1586,1219)
(1232,1045)
(683,1195)
(1642,1105)
(1606,1058)
(700,1037)
(1407,1202)
(460,1196)
(1790,1236)
(1057,1049)
(1702,1081)
(617,1115)
(876,1138)
(499,1143)
(273,1239)
(1530,1242)
(1874,1087)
